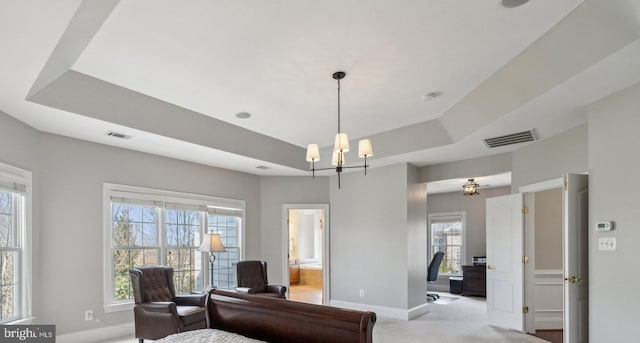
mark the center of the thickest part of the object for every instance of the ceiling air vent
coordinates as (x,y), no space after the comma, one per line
(118,135)
(514,138)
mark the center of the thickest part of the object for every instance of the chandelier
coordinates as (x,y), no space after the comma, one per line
(470,188)
(341,145)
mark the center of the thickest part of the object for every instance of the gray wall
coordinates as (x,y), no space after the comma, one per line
(613,172)
(68,179)
(416,238)
(481,166)
(369,237)
(548,229)
(19,146)
(274,192)
(550,158)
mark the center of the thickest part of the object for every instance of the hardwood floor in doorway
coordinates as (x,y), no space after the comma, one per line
(306,294)
(554,336)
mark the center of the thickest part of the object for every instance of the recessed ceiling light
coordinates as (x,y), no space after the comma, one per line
(430,96)
(263,167)
(243,115)
(512,3)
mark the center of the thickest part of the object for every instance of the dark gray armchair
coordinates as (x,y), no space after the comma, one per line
(159,312)
(252,279)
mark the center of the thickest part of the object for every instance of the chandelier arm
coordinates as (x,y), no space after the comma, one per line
(351,167)
(330,168)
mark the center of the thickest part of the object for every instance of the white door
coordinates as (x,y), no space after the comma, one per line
(575,200)
(504,262)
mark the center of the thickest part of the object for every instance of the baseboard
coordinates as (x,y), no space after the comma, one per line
(383,311)
(417,311)
(97,335)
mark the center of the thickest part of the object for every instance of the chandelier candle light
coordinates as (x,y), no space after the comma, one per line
(341,145)
(212,243)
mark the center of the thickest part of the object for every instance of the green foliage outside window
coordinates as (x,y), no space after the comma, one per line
(8,256)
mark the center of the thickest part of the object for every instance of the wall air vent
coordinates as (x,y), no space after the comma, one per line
(514,138)
(118,135)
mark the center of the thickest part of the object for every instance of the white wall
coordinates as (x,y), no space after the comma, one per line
(613,170)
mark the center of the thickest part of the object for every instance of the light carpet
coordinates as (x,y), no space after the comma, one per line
(460,321)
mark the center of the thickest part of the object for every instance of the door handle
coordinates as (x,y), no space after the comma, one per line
(573,279)
(490,267)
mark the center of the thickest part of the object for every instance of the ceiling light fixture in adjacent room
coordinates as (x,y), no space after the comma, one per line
(341,145)
(470,188)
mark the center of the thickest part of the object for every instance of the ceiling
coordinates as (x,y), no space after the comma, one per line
(172,75)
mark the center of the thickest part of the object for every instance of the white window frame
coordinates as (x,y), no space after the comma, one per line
(111,190)
(22,179)
(445,216)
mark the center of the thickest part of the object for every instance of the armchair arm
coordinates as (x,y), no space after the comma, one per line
(159,306)
(245,290)
(191,299)
(278,289)
(155,320)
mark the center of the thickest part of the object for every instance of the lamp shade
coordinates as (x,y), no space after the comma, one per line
(342,142)
(313,153)
(212,243)
(364,148)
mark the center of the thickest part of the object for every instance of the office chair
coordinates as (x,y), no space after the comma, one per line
(432,272)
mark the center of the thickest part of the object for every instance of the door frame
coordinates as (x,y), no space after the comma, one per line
(529,246)
(326,265)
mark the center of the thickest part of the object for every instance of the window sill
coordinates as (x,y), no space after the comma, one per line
(127,306)
(21,321)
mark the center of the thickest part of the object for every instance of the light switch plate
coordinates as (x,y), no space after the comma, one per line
(607,243)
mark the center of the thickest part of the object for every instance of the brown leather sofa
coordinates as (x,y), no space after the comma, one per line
(252,279)
(284,321)
(159,312)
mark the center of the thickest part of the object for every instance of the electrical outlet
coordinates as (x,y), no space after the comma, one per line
(88,315)
(362,292)
(607,243)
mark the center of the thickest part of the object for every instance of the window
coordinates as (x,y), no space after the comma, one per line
(447,235)
(15,280)
(154,227)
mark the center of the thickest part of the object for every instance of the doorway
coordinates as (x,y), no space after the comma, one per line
(545,269)
(306,247)
(556,243)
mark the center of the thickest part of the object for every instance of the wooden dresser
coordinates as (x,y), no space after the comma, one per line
(474,280)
